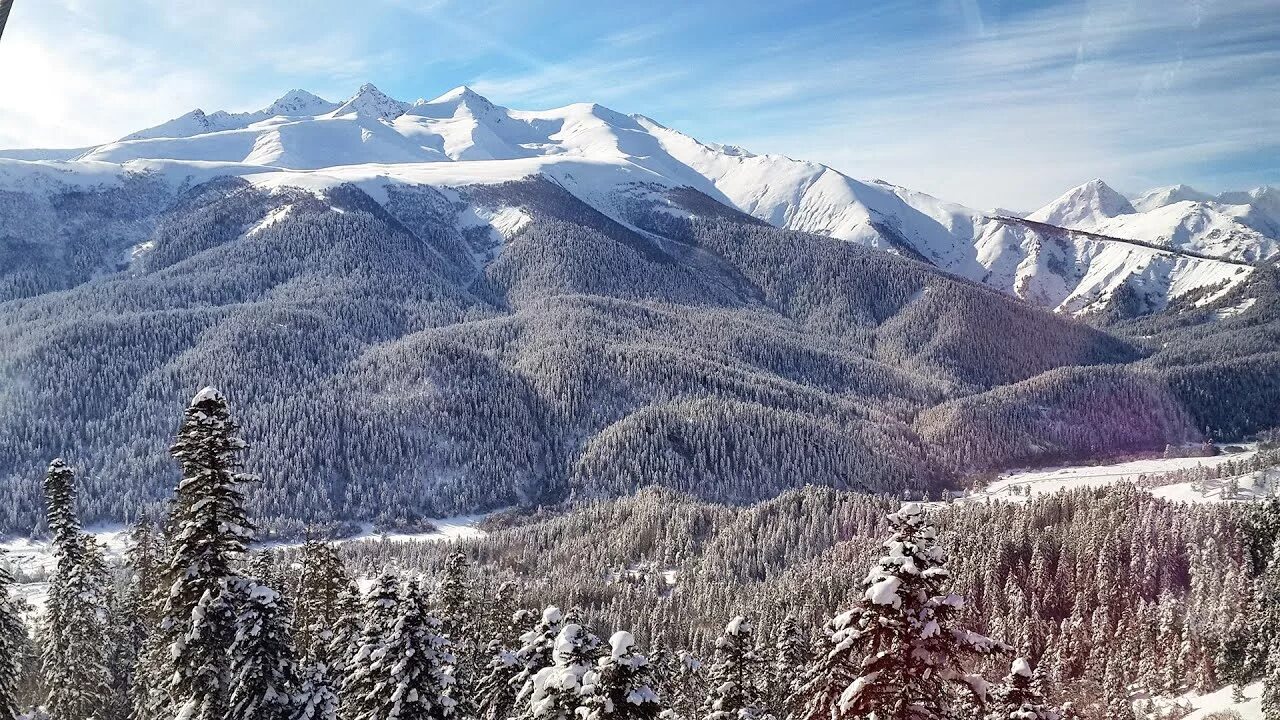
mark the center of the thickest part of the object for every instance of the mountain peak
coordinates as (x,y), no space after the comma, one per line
(299,102)
(1083,206)
(371,101)
(1162,196)
(449,104)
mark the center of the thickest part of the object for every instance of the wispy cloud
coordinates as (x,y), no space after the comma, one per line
(983,102)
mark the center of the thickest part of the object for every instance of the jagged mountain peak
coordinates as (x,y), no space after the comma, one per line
(1084,205)
(300,102)
(369,100)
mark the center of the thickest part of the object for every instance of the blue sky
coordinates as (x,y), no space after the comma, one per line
(996,103)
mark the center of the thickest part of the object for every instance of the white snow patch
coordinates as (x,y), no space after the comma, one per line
(1020,485)
(270,219)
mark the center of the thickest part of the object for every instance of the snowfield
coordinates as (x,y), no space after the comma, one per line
(1202,706)
(1020,485)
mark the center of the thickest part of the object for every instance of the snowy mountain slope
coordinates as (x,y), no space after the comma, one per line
(1161,196)
(1177,217)
(1083,207)
(600,155)
(295,103)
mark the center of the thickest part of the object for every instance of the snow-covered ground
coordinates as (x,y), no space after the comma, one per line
(1201,706)
(1019,485)
(31,560)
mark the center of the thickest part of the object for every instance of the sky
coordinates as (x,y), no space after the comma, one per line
(995,103)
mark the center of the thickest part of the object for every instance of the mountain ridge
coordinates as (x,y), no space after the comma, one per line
(303,139)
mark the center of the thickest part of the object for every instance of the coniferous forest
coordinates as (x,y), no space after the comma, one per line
(817,605)
(368,407)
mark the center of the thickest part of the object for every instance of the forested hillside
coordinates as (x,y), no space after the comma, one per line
(1091,604)
(397,360)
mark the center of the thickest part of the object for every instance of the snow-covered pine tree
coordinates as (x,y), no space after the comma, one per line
(422,662)
(75,666)
(897,654)
(733,678)
(685,684)
(317,697)
(140,609)
(344,637)
(454,600)
(363,678)
(496,690)
(497,623)
(1017,698)
(622,686)
(556,692)
(536,651)
(1264,653)
(1116,694)
(790,658)
(320,603)
(263,672)
(207,531)
(12,638)
(455,607)
(408,673)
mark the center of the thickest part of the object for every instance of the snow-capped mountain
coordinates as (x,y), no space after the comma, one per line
(461,138)
(1161,196)
(1084,205)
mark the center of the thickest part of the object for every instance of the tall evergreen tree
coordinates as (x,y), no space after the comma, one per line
(208,531)
(318,697)
(263,672)
(75,666)
(455,606)
(1018,699)
(363,679)
(556,692)
(790,658)
(734,675)
(407,674)
(622,687)
(12,638)
(897,654)
(324,593)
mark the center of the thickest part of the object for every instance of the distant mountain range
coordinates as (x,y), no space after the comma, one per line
(1189,245)
(447,306)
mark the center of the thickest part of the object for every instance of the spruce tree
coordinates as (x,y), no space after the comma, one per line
(457,612)
(13,635)
(1018,699)
(404,674)
(141,608)
(324,593)
(208,531)
(363,677)
(75,666)
(622,687)
(790,658)
(537,651)
(897,654)
(733,678)
(263,672)
(511,670)
(317,697)
(556,692)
